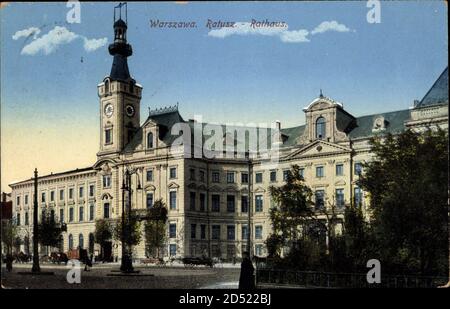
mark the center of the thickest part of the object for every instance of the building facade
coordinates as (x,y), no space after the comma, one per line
(209,195)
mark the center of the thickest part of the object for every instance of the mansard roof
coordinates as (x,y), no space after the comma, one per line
(438,93)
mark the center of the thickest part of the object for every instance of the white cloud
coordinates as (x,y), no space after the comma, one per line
(94,44)
(330,26)
(245,28)
(26,33)
(285,35)
(49,42)
(296,36)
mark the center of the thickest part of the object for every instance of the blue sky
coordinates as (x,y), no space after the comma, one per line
(370,68)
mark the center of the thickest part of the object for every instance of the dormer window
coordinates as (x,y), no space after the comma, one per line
(149,140)
(320,128)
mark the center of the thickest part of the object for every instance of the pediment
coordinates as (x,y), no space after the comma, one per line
(106,196)
(192,185)
(319,148)
(232,189)
(215,189)
(173,185)
(260,190)
(340,183)
(150,188)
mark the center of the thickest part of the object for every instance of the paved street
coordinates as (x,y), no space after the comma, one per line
(106,276)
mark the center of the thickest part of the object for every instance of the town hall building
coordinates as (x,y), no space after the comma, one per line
(213,202)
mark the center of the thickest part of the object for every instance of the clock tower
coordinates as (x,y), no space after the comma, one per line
(119,94)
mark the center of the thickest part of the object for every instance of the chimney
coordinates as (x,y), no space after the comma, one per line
(3,197)
(416,102)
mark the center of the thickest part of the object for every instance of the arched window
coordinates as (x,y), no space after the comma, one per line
(149,140)
(70,241)
(107,86)
(81,241)
(320,127)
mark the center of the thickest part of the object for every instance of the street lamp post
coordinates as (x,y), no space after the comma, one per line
(249,207)
(36,268)
(127,261)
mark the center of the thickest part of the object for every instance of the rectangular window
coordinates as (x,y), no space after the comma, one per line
(339,169)
(320,195)
(172,230)
(192,174)
(202,176)
(27,218)
(258,177)
(149,199)
(244,177)
(149,175)
(358,168)
(203,231)
(18,220)
(230,203)
(258,231)
(106,210)
(358,195)
(230,177)
(319,171)
(215,232)
(61,195)
(81,195)
(52,196)
(18,200)
(340,200)
(244,234)
(81,214)
(173,200)
(70,214)
(302,172)
(43,197)
(193,231)
(91,190)
(258,250)
(231,232)
(215,177)
(273,176)
(106,181)
(108,136)
(173,249)
(244,203)
(202,202)
(91,212)
(173,172)
(258,203)
(192,201)
(215,207)
(71,193)
(285,175)
(61,215)
(26,199)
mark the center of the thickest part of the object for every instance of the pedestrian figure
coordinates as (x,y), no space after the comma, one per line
(9,261)
(246,279)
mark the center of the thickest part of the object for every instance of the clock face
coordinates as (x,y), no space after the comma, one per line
(130,110)
(109,109)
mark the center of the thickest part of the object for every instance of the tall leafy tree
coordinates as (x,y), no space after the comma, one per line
(155,227)
(50,229)
(9,234)
(407,181)
(103,233)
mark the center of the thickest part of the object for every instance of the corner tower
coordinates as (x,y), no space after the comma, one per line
(119,94)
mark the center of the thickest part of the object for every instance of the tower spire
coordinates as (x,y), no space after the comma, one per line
(120,49)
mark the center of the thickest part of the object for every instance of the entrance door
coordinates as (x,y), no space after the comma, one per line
(107,252)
